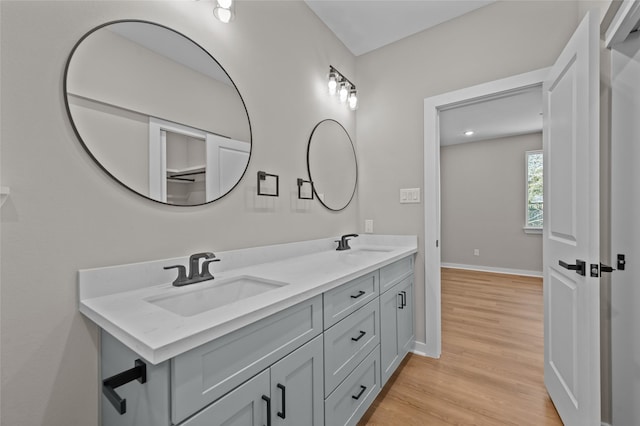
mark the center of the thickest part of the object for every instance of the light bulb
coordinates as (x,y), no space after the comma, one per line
(469,133)
(225,4)
(224,15)
(343,93)
(353,100)
(333,84)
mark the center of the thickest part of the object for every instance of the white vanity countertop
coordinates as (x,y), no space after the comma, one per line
(115,297)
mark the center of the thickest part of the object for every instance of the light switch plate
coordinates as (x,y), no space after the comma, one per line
(409,195)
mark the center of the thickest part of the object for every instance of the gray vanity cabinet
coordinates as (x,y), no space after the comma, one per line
(290,392)
(396,329)
(321,362)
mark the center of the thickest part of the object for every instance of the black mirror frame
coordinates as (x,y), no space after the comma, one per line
(86,148)
(355,185)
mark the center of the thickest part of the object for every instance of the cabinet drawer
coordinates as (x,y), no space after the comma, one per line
(392,274)
(347,343)
(341,301)
(353,397)
(207,372)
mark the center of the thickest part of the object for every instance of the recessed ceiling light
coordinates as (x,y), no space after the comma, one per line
(469,133)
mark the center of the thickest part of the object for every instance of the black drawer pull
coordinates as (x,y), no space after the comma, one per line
(404,298)
(139,373)
(362,333)
(401,301)
(283,414)
(268,401)
(362,389)
(360,293)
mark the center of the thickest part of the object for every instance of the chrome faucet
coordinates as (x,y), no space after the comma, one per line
(343,242)
(196,274)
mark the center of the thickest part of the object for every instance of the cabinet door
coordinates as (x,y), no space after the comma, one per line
(244,406)
(405,318)
(297,389)
(390,302)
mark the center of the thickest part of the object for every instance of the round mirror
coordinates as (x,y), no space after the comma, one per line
(157,112)
(331,160)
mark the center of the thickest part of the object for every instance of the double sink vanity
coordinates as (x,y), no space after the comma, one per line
(295,334)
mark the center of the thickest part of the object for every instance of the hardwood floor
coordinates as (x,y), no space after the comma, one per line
(491,368)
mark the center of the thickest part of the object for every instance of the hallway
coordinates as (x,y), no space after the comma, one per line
(491,368)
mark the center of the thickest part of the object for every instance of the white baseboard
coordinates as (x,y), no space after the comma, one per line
(422,349)
(508,271)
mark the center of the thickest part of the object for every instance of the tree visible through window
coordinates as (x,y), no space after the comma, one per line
(534,209)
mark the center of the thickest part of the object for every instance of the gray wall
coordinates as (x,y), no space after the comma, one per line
(483,187)
(65,214)
(497,41)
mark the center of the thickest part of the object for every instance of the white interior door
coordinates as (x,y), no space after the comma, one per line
(571,228)
(625,232)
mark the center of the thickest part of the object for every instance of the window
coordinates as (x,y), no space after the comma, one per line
(533,208)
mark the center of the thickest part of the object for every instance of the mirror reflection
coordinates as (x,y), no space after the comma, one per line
(157,113)
(332,164)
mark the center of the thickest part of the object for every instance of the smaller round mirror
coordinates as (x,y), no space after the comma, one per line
(331,160)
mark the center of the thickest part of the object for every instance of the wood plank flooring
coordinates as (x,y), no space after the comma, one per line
(491,368)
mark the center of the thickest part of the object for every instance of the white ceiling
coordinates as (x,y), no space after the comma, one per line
(365,25)
(506,115)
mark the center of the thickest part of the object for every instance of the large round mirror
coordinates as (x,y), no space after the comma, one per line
(157,112)
(331,160)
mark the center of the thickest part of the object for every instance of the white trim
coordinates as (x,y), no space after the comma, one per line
(493,269)
(622,23)
(432,106)
(420,348)
(530,230)
(605,424)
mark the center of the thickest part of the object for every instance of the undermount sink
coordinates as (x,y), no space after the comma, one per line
(218,294)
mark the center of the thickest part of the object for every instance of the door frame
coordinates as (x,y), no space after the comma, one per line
(432,106)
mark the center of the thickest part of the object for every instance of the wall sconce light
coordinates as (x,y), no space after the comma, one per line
(340,84)
(225,10)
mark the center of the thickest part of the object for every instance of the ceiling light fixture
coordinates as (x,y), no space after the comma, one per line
(225,10)
(340,84)
(469,133)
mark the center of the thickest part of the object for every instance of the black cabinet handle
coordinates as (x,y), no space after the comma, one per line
(362,333)
(580,266)
(404,298)
(401,301)
(268,401)
(139,373)
(283,414)
(362,389)
(360,293)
